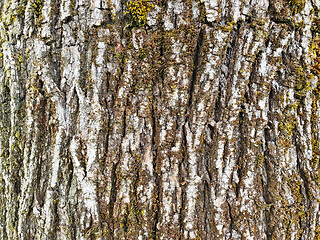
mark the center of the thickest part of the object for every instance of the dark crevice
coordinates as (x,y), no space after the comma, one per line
(181,212)
(106,146)
(114,177)
(232,57)
(226,77)
(287,231)
(73,226)
(156,198)
(74,112)
(175,17)
(302,174)
(225,154)
(113,196)
(108,105)
(125,220)
(231,225)
(206,200)
(304,179)
(209,173)
(3,228)
(182,180)
(265,166)
(241,147)
(88,230)
(301,227)
(219,105)
(255,65)
(40,196)
(287,22)
(306,195)
(196,60)
(269,228)
(29,222)
(55,219)
(30,209)
(1,6)
(84,70)
(124,119)
(55,13)
(83,157)
(156,90)
(134,198)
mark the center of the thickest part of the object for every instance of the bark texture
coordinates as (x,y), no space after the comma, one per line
(182,119)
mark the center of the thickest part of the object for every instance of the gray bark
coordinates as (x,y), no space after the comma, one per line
(191,119)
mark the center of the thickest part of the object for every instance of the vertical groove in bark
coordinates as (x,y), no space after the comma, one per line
(156,196)
(195,64)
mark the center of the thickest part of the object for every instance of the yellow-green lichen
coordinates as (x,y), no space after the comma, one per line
(315,27)
(317,231)
(21,8)
(302,84)
(297,5)
(37,6)
(138,10)
(315,51)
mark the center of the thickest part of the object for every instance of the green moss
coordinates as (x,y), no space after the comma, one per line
(138,10)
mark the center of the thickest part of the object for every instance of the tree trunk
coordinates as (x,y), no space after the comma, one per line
(182,119)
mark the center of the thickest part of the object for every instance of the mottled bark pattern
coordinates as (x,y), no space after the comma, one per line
(192,119)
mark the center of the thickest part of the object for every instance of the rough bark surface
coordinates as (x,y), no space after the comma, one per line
(182,119)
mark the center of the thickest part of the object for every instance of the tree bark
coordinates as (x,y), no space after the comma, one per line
(184,119)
